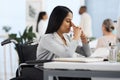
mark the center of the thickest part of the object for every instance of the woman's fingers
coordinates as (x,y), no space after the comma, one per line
(83,38)
(72,24)
(78,32)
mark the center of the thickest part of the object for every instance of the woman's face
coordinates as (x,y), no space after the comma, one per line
(66,24)
(45,17)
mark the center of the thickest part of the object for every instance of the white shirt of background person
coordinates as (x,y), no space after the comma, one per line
(42,26)
(86,22)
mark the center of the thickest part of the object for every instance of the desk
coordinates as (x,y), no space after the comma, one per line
(76,69)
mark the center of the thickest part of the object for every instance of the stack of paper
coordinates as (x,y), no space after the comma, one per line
(83,59)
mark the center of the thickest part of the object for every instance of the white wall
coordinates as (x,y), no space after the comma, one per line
(36,7)
(100,10)
(74,5)
(12,13)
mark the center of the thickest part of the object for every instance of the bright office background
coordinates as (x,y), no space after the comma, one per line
(74,5)
(13,14)
(100,10)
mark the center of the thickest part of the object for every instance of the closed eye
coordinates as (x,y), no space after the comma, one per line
(68,21)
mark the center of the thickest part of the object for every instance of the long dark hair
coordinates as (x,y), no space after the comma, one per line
(56,18)
(40,16)
(108,24)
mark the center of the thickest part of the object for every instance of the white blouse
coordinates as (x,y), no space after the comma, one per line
(105,40)
(42,26)
(52,46)
(86,24)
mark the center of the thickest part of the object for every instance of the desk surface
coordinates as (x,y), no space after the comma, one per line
(104,66)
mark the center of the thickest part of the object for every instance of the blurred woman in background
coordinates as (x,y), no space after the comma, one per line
(108,36)
(41,23)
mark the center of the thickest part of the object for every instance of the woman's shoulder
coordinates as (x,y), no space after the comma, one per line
(47,36)
(107,38)
(110,36)
(47,39)
(102,37)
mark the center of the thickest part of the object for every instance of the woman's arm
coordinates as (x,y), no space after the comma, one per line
(78,33)
(84,49)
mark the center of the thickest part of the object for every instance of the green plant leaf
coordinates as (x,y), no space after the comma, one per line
(24,36)
(27,36)
(20,39)
(31,36)
(12,36)
(30,29)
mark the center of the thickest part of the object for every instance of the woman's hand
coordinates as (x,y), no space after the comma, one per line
(83,38)
(77,32)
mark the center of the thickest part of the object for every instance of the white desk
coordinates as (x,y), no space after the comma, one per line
(76,69)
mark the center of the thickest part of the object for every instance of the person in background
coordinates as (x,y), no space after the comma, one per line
(41,23)
(115,27)
(108,36)
(57,44)
(86,22)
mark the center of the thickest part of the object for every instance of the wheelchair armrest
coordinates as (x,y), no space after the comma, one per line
(32,63)
(37,61)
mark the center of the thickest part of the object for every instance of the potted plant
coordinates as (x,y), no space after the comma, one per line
(25,50)
(27,36)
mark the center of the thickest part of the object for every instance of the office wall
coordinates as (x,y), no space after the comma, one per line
(33,7)
(74,5)
(100,10)
(12,13)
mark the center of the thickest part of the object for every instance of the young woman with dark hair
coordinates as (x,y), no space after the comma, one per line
(57,44)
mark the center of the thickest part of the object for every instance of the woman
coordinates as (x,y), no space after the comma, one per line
(108,36)
(55,43)
(41,23)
